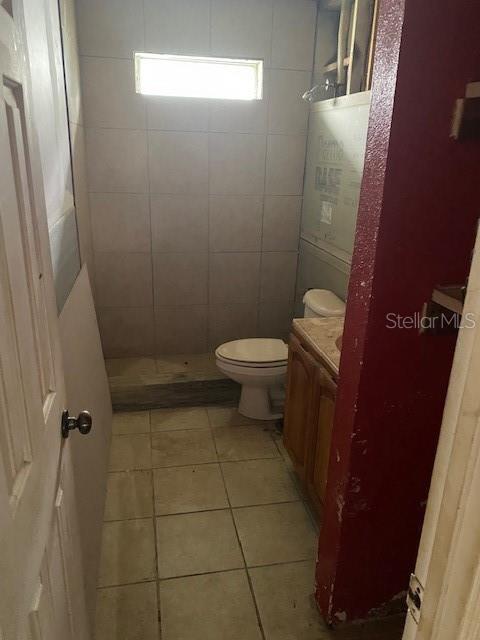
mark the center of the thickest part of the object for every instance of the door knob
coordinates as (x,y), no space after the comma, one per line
(83,422)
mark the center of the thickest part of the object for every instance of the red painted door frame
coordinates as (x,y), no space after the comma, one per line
(419,206)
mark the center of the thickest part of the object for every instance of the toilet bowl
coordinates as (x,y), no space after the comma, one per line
(260,366)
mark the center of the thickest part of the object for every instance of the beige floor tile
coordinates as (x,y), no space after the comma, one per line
(244,443)
(176,419)
(175,448)
(275,533)
(229,417)
(130,366)
(217,606)
(129,495)
(131,422)
(281,447)
(254,482)
(284,598)
(197,543)
(127,613)
(184,489)
(128,552)
(130,452)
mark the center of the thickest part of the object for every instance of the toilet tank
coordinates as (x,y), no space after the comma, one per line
(321,303)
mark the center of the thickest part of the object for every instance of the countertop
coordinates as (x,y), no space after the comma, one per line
(320,334)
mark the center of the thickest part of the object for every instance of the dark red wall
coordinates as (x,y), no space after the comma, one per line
(419,206)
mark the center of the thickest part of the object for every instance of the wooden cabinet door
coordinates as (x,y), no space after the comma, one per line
(298,408)
(323,402)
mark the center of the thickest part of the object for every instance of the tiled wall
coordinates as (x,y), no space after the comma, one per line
(195,204)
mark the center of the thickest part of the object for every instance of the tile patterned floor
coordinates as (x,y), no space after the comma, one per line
(206,536)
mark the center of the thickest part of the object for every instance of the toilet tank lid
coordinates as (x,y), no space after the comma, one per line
(325,303)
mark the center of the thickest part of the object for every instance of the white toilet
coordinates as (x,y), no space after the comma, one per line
(260,364)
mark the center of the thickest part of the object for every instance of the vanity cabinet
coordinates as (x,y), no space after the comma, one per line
(318,450)
(309,414)
(302,370)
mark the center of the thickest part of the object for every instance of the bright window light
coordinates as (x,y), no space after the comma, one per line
(194,77)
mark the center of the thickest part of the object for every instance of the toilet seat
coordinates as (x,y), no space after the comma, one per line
(254,352)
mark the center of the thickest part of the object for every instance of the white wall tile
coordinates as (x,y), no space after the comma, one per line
(117,160)
(234,277)
(236,223)
(120,222)
(109,96)
(110,28)
(285,165)
(123,279)
(177,114)
(178,162)
(203,163)
(180,279)
(279,272)
(237,164)
(177,26)
(288,112)
(275,319)
(242,29)
(179,223)
(231,322)
(238,116)
(293,34)
(281,223)
(126,331)
(181,329)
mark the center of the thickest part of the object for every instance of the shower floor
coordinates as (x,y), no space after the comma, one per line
(168,381)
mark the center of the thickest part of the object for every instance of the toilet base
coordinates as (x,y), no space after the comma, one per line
(255,403)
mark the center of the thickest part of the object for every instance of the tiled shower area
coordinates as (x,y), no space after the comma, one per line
(195,204)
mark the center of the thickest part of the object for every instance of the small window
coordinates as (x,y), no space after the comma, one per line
(194,77)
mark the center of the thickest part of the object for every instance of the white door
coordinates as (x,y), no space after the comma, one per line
(41,590)
(448,563)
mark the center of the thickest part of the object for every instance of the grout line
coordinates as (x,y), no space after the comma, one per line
(205,573)
(152,265)
(247,569)
(126,584)
(190,464)
(155,536)
(210,510)
(230,132)
(255,604)
(266,504)
(200,195)
(115,520)
(134,433)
